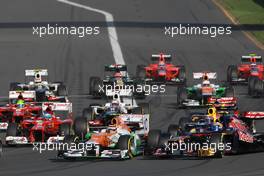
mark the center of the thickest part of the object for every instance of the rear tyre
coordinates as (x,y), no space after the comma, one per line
(153,139)
(145,108)
(258,88)
(87,114)
(251,84)
(80,127)
(65,129)
(182,74)
(181,96)
(12,129)
(95,83)
(232,73)
(62,91)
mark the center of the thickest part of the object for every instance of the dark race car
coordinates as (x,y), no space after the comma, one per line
(208,135)
(116,80)
(51,126)
(250,72)
(204,94)
(162,71)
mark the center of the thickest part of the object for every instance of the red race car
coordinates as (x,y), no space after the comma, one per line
(20,107)
(250,71)
(162,71)
(54,123)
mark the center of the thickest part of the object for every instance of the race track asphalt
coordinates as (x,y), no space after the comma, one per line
(140,28)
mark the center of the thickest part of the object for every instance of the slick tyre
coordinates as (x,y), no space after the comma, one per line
(95,83)
(251,85)
(80,127)
(62,91)
(64,129)
(232,73)
(182,74)
(87,114)
(153,139)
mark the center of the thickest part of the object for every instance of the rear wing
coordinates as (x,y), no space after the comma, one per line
(254,115)
(34,72)
(164,57)
(141,119)
(251,58)
(115,67)
(204,75)
(57,106)
(25,94)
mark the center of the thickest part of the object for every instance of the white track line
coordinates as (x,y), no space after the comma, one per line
(117,52)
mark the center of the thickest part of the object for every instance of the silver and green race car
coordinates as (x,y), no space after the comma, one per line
(203,93)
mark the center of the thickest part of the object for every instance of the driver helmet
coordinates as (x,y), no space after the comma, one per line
(117,75)
(47,113)
(20,103)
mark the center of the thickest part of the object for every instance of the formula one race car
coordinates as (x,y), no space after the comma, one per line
(122,139)
(162,72)
(250,71)
(208,135)
(116,80)
(97,116)
(200,94)
(36,80)
(20,107)
(54,123)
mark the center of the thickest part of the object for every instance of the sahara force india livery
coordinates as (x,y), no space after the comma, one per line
(123,138)
(202,94)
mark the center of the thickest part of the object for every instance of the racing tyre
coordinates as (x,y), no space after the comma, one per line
(145,108)
(163,141)
(95,82)
(14,86)
(251,83)
(87,113)
(182,123)
(62,91)
(1,148)
(125,142)
(12,129)
(216,141)
(258,88)
(80,127)
(65,129)
(181,96)
(140,72)
(153,139)
(173,129)
(182,74)
(232,73)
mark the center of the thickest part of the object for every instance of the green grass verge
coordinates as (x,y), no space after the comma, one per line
(247,12)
